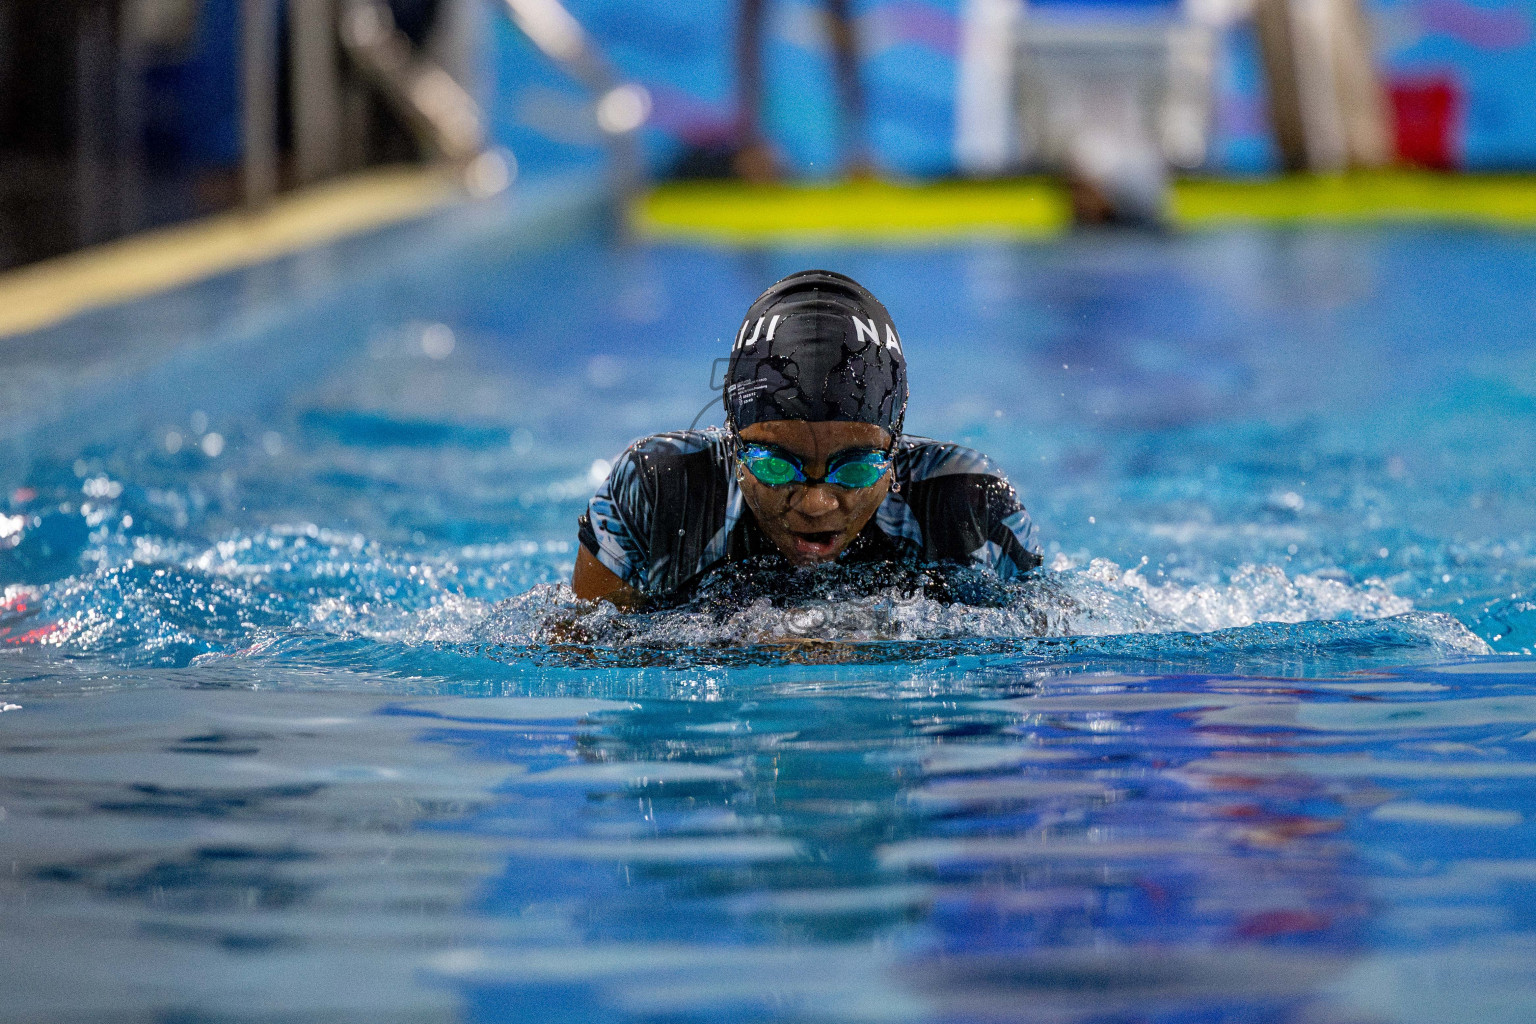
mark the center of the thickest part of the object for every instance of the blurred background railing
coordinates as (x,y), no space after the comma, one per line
(116,115)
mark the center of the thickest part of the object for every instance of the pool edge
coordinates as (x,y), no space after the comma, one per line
(42,294)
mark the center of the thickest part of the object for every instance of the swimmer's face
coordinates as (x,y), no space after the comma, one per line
(812,523)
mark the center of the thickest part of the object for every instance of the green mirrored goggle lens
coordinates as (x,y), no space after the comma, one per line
(864,473)
(772,470)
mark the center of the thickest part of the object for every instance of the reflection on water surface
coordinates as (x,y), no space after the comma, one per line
(1061,847)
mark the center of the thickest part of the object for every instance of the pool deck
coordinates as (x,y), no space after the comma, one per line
(45,293)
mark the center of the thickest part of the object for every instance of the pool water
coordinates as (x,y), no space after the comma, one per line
(298,722)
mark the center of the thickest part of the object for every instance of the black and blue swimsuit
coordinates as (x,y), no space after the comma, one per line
(671,511)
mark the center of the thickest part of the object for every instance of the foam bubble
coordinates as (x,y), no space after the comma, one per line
(797,610)
(282,591)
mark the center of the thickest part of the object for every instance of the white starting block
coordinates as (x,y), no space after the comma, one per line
(1114,98)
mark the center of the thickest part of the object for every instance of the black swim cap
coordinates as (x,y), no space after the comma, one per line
(817,346)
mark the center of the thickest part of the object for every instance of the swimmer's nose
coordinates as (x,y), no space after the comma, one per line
(816,500)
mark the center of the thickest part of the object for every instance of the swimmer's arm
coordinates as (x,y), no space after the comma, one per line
(594,581)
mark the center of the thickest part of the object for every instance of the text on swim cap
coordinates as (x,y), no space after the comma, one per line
(743,342)
(865,330)
(744,390)
(871,330)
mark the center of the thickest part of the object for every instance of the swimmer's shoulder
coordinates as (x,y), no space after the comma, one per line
(958,505)
(678,443)
(675,457)
(921,459)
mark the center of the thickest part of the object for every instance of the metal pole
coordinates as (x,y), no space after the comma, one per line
(128,119)
(444,117)
(315,84)
(258,78)
(94,135)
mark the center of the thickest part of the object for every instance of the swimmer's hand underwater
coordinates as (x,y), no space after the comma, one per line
(812,466)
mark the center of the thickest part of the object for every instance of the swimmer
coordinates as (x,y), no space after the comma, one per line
(812,465)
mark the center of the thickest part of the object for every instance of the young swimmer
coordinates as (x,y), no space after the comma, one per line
(811,467)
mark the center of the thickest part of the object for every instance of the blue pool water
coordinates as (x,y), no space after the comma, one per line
(299,724)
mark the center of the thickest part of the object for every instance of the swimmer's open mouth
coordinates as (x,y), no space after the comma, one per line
(816,546)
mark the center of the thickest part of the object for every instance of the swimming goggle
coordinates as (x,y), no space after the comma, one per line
(851,470)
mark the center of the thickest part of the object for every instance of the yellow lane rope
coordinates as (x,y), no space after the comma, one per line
(1381,197)
(881,213)
(853,212)
(47,292)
